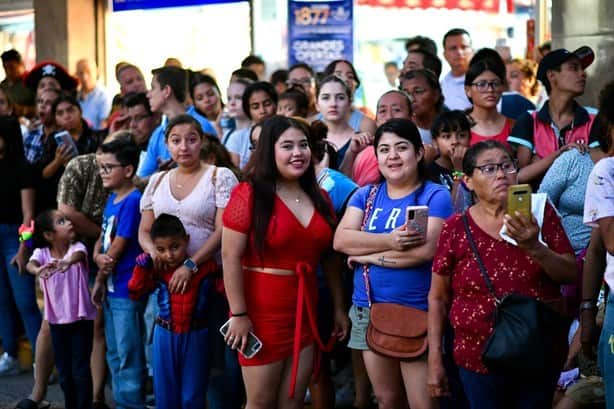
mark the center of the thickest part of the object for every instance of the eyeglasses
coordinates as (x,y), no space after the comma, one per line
(490,169)
(300,81)
(414,92)
(107,168)
(483,86)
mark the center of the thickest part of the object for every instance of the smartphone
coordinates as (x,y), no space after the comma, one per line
(64,138)
(253,343)
(519,200)
(417,218)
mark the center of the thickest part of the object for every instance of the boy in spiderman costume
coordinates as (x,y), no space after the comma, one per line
(180,342)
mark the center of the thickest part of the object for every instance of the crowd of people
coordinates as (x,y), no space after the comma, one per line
(287,245)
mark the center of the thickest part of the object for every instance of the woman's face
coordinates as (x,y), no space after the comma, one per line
(184,144)
(235,98)
(68,116)
(5,106)
(423,97)
(207,99)
(485,90)
(344,71)
(392,105)
(397,158)
(489,186)
(261,106)
(514,77)
(292,154)
(333,102)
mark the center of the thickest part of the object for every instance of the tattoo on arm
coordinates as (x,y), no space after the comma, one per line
(383,261)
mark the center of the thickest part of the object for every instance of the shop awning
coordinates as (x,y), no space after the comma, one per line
(491,6)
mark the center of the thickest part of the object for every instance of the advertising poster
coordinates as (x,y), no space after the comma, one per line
(320,32)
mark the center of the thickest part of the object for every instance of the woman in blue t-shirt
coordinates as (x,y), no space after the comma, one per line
(399,258)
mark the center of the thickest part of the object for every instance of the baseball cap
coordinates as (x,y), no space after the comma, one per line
(555,58)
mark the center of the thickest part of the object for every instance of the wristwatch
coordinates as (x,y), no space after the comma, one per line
(191,265)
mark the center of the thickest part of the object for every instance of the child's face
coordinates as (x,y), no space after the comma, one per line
(446,142)
(64,230)
(172,250)
(287,107)
(112,173)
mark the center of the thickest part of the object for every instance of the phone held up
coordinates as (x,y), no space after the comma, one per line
(417,218)
(254,345)
(519,200)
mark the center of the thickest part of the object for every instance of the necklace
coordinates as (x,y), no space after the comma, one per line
(298,195)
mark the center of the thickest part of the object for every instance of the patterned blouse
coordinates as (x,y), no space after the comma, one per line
(510,269)
(197,210)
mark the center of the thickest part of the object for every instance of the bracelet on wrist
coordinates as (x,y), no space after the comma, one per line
(457,175)
(239,314)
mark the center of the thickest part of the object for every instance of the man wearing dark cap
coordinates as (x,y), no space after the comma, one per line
(21,96)
(539,137)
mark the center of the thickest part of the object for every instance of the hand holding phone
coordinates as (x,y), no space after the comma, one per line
(253,343)
(63,139)
(417,218)
(519,200)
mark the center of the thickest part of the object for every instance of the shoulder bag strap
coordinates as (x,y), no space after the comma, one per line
(365,219)
(474,248)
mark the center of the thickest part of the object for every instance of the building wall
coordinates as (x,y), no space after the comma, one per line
(587,22)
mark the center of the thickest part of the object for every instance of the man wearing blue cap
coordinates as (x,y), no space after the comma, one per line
(539,137)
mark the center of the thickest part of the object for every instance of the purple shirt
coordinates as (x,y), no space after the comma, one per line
(67,297)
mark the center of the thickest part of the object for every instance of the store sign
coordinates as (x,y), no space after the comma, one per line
(491,6)
(320,32)
(124,5)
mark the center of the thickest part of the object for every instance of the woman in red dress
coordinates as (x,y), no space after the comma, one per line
(278,226)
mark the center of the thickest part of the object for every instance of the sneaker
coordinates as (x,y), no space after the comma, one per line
(8,365)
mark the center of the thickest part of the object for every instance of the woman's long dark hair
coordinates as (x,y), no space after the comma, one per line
(261,173)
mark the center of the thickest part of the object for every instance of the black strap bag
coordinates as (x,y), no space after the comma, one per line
(527,333)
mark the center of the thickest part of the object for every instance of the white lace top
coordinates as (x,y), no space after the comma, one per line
(197,210)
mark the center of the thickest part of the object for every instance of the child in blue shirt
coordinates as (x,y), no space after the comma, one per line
(115,253)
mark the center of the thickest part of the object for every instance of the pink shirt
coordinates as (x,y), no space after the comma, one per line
(365,170)
(67,297)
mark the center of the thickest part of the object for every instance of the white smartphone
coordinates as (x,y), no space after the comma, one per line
(417,218)
(64,138)
(254,345)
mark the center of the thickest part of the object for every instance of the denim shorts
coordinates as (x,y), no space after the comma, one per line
(360,321)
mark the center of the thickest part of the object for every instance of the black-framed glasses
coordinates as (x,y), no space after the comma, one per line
(483,86)
(107,168)
(490,169)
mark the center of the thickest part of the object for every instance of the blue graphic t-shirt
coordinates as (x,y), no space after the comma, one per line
(405,286)
(122,219)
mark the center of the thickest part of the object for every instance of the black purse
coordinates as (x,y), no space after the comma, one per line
(527,334)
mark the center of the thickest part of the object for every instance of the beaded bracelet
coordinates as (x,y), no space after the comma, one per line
(457,175)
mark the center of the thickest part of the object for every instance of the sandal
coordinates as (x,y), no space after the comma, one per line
(28,403)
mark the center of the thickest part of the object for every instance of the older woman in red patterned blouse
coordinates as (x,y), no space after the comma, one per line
(458,290)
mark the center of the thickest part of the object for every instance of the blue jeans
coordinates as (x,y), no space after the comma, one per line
(606,352)
(16,290)
(72,347)
(492,391)
(124,329)
(226,390)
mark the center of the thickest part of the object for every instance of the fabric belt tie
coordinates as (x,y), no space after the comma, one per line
(304,271)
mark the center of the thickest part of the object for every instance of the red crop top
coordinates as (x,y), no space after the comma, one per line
(287,241)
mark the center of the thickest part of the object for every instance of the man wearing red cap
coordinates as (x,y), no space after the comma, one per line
(539,137)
